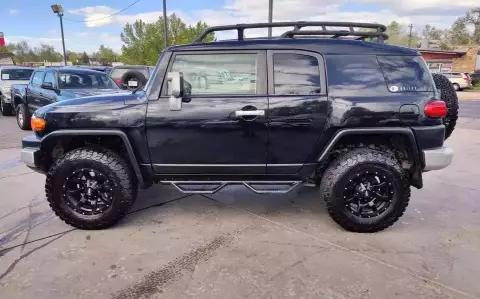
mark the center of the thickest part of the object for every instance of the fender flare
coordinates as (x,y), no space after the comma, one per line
(131,154)
(418,159)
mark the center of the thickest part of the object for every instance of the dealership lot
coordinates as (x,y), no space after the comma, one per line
(236,244)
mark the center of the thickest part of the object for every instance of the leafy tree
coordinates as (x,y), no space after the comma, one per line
(105,55)
(399,35)
(84,58)
(48,53)
(144,42)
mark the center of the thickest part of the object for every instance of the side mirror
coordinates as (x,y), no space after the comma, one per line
(175,90)
(47,85)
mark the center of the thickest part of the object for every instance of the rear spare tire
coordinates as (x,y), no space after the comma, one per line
(134,76)
(449,96)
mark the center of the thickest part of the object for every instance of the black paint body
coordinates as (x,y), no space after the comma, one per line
(206,139)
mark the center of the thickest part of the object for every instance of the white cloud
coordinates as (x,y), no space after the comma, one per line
(13,11)
(97,16)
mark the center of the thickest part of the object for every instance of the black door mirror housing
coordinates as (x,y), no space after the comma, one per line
(47,85)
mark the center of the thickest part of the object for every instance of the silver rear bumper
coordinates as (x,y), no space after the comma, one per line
(437,158)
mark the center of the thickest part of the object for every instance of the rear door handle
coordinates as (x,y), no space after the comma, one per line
(240,113)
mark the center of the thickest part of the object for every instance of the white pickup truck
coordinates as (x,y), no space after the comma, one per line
(10,75)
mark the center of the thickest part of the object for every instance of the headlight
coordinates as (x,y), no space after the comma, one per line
(6,91)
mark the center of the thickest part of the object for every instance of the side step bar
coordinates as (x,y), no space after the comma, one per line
(209,187)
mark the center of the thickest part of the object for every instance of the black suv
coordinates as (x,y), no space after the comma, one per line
(359,119)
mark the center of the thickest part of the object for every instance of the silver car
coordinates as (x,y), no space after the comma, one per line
(10,75)
(459,80)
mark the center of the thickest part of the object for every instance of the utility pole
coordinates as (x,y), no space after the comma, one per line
(58,9)
(165,22)
(410,36)
(270,16)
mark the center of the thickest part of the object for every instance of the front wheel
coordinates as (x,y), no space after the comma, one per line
(365,190)
(91,188)
(5,108)
(23,117)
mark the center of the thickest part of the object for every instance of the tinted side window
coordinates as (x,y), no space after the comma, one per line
(406,73)
(218,73)
(296,74)
(354,76)
(37,78)
(50,77)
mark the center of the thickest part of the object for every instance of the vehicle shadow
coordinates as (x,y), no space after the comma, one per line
(227,202)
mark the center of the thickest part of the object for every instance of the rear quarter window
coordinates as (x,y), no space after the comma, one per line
(406,73)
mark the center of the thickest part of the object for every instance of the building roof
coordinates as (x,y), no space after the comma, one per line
(439,51)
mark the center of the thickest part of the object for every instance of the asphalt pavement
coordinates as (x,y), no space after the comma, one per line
(469,109)
(237,244)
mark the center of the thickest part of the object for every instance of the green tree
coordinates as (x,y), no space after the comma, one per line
(105,55)
(48,53)
(84,58)
(398,34)
(144,42)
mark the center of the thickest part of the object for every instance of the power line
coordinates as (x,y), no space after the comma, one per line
(118,12)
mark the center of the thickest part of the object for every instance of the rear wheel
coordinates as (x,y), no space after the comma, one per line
(449,96)
(365,190)
(23,117)
(91,188)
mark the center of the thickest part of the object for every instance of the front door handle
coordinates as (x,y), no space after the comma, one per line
(240,113)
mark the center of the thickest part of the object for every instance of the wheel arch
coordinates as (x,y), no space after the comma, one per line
(408,135)
(50,140)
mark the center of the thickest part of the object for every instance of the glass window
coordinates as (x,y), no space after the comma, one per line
(38,78)
(16,74)
(84,80)
(50,77)
(219,73)
(406,73)
(296,74)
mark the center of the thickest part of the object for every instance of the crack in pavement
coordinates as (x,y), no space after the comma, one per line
(12,266)
(30,223)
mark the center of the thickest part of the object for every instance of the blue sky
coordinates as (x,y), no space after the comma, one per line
(33,20)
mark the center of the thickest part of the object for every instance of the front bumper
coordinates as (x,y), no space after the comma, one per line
(437,158)
(31,153)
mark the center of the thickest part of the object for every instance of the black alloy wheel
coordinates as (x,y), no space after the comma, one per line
(88,192)
(368,194)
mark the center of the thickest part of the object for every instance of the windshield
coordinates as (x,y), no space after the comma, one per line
(16,74)
(72,80)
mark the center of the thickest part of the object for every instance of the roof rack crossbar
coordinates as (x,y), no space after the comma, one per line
(379,32)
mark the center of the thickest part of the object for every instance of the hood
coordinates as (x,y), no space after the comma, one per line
(77,93)
(90,103)
(9,83)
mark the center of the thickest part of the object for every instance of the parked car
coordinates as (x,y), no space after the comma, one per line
(287,111)
(475,77)
(105,69)
(131,76)
(48,86)
(459,81)
(10,75)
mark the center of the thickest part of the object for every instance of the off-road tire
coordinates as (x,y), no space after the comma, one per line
(449,96)
(23,117)
(347,165)
(5,108)
(108,163)
(134,75)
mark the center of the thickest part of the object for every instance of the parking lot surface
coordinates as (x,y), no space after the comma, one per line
(237,244)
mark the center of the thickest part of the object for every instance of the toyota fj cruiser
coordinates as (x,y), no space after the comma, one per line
(333,107)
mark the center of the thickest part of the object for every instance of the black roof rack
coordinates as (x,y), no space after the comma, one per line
(343,29)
